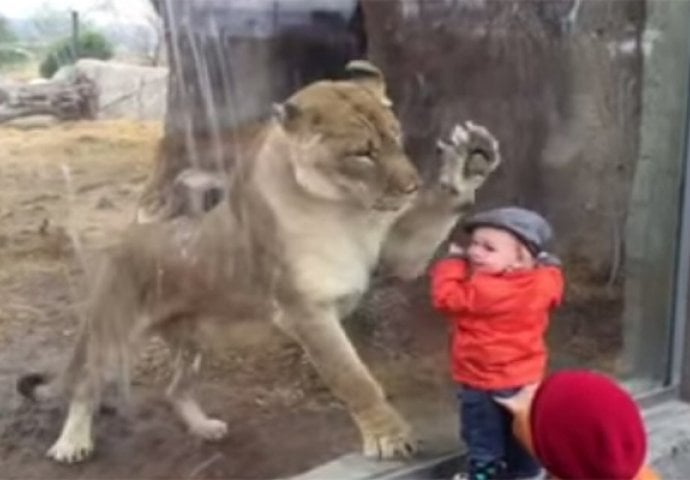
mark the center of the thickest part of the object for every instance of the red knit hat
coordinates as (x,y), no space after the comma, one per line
(585,426)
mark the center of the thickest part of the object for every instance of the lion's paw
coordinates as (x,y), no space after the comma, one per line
(72,449)
(386,446)
(468,157)
(386,435)
(210,429)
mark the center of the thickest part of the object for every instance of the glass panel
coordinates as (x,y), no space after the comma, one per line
(586,97)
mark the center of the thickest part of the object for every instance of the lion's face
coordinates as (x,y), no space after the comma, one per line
(349,146)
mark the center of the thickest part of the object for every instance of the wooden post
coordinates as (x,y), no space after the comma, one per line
(75,35)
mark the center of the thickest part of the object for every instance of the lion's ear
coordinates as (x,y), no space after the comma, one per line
(369,75)
(287,114)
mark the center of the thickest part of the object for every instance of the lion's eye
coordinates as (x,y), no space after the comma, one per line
(358,165)
(364,151)
(360,160)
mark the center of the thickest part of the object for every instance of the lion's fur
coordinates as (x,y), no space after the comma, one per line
(326,196)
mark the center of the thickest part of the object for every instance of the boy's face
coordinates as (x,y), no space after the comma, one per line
(493,250)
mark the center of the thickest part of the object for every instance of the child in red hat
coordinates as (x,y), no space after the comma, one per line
(581,425)
(497,295)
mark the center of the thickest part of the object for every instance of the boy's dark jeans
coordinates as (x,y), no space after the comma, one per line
(486,429)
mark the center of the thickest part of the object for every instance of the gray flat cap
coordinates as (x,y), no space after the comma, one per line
(530,227)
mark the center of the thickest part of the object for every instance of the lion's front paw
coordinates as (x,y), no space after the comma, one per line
(385,434)
(71,449)
(468,157)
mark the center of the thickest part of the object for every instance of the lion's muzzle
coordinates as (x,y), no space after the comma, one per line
(402,177)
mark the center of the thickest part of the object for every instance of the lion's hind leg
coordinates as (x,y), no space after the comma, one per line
(186,365)
(105,341)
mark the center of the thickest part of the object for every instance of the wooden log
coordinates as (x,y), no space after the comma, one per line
(75,99)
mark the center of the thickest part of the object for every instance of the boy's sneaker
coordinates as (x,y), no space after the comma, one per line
(466,476)
(487,471)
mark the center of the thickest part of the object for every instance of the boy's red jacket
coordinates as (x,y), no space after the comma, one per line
(498,321)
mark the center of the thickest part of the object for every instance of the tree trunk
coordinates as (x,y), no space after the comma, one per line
(226,73)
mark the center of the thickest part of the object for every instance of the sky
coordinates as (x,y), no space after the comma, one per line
(129,9)
(123,9)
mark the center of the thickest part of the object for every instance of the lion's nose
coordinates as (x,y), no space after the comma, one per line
(411,186)
(402,177)
(408,181)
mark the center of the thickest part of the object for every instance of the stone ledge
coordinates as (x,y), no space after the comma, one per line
(354,466)
(668,426)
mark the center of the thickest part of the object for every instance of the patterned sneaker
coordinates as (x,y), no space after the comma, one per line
(487,471)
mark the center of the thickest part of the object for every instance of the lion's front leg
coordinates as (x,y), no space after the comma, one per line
(467,158)
(318,330)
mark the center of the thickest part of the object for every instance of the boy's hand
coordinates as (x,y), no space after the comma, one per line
(455,250)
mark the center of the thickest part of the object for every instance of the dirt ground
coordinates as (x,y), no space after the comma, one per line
(66,189)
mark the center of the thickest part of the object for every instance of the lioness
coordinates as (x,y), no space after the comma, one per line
(328,197)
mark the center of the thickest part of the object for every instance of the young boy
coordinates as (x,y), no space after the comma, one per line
(497,294)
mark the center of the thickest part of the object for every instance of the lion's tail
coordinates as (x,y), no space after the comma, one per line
(104,341)
(35,386)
